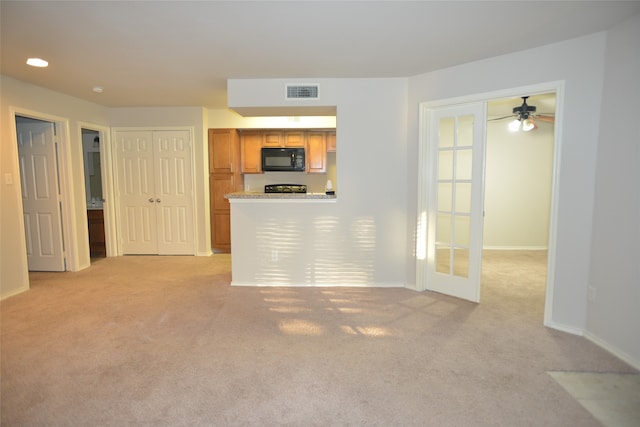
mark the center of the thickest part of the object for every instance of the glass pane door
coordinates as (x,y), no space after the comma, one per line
(455,202)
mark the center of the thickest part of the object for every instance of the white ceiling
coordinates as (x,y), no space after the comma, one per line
(181,53)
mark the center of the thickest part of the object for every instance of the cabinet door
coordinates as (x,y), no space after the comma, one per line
(220,184)
(294,139)
(331,142)
(222,143)
(251,144)
(272,139)
(221,240)
(316,152)
(97,244)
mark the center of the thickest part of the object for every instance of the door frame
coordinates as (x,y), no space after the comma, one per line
(69,229)
(110,228)
(424,176)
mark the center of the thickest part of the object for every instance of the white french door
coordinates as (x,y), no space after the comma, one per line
(155,192)
(40,195)
(455,161)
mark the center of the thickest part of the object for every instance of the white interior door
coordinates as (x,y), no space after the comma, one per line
(455,204)
(40,195)
(174,192)
(136,192)
(155,192)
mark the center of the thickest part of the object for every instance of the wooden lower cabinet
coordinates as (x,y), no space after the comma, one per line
(97,243)
(221,239)
(219,185)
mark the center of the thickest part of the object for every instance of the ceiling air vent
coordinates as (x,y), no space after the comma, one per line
(302,91)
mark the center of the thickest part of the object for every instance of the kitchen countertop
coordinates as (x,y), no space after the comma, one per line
(254,196)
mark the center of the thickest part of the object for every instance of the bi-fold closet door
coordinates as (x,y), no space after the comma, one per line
(155,192)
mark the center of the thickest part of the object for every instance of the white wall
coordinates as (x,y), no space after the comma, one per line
(579,63)
(371,126)
(26,97)
(614,315)
(518,172)
(166,117)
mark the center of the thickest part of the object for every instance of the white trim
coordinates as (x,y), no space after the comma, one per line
(20,290)
(555,199)
(422,198)
(613,350)
(564,328)
(552,86)
(320,285)
(515,248)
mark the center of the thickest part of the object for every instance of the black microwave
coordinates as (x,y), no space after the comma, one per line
(283,159)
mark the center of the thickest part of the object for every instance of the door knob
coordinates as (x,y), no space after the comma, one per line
(151,200)
(158,200)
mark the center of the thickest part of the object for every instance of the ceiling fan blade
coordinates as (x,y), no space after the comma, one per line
(502,118)
(548,119)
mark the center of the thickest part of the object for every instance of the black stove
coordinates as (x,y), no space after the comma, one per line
(285,188)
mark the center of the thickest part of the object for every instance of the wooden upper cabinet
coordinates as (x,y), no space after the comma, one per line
(279,138)
(223,144)
(315,142)
(250,151)
(294,138)
(331,142)
(272,138)
(316,152)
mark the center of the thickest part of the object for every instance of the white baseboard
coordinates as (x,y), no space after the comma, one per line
(319,285)
(613,350)
(564,328)
(597,341)
(516,248)
(14,292)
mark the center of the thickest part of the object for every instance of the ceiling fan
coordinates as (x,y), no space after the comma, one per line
(525,117)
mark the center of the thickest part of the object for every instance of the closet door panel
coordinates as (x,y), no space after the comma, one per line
(174,195)
(136,192)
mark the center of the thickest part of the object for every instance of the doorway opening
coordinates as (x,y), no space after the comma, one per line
(42,151)
(94,194)
(517,203)
(433,150)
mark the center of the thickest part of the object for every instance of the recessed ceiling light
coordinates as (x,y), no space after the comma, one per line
(37,62)
(98,89)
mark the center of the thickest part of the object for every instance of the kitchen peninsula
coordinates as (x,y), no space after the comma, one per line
(286,239)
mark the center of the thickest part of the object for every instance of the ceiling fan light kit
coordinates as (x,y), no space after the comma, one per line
(524,117)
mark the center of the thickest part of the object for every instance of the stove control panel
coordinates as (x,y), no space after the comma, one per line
(285,188)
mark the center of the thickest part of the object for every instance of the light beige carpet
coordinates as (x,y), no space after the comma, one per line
(165,341)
